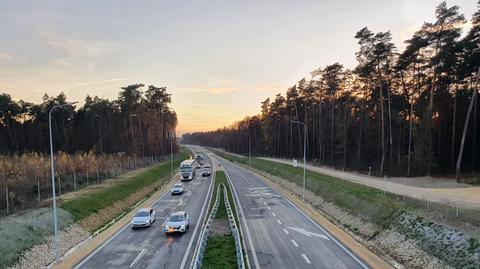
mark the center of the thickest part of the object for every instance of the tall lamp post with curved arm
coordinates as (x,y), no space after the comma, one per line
(54,199)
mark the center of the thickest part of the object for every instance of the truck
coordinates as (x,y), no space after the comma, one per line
(187,169)
(199,158)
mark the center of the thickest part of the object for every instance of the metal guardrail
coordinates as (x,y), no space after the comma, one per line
(234,229)
(198,255)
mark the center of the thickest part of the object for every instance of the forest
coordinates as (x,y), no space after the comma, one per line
(99,140)
(137,123)
(410,112)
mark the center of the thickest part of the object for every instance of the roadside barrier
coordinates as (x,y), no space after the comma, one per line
(234,229)
(198,255)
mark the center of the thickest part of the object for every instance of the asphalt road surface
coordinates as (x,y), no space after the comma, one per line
(277,233)
(150,247)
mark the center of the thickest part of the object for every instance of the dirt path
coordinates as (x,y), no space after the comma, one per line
(442,191)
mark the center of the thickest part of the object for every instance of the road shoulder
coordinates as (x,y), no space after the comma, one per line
(360,250)
(86,248)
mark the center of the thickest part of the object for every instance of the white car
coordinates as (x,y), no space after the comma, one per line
(178,188)
(206,173)
(178,222)
(207,165)
(144,218)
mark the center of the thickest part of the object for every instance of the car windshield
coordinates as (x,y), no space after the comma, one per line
(177,186)
(142,214)
(176,218)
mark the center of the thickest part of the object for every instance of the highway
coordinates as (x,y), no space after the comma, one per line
(150,247)
(277,233)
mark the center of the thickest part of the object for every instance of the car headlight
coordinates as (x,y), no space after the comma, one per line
(182,227)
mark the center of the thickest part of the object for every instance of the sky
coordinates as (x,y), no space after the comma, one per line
(218,59)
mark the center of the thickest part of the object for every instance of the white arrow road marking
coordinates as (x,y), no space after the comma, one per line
(307,233)
(138,257)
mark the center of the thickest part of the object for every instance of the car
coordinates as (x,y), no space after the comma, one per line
(178,222)
(206,173)
(144,218)
(178,188)
(207,165)
(199,166)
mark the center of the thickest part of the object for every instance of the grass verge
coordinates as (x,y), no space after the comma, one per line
(412,217)
(82,206)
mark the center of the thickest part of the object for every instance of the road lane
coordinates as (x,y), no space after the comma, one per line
(281,235)
(150,247)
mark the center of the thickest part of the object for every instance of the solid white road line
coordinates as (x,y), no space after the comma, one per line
(115,235)
(273,214)
(306,259)
(242,215)
(279,222)
(187,252)
(344,248)
(294,243)
(285,231)
(138,257)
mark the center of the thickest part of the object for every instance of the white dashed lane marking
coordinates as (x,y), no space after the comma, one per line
(279,222)
(273,214)
(294,243)
(306,259)
(285,231)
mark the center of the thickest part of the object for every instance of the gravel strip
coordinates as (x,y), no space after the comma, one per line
(391,242)
(42,254)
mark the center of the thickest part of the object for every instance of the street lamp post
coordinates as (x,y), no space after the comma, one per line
(171,152)
(54,199)
(249,151)
(304,153)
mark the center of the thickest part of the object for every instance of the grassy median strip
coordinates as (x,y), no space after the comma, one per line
(84,205)
(220,251)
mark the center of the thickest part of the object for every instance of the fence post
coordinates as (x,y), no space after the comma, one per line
(6,196)
(428,201)
(38,190)
(87,177)
(404,185)
(457,209)
(97,175)
(384,185)
(59,186)
(74,180)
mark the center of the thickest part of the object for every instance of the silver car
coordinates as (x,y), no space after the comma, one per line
(178,188)
(178,222)
(144,218)
(207,165)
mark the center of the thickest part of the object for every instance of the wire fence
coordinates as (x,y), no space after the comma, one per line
(26,180)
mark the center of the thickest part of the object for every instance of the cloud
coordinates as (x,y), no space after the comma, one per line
(5,57)
(89,83)
(218,90)
(78,51)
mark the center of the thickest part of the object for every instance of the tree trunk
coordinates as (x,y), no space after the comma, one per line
(452,153)
(465,127)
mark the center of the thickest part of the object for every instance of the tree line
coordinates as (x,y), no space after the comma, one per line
(139,122)
(410,112)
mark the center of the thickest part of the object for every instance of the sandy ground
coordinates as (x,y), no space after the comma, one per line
(442,191)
